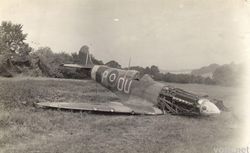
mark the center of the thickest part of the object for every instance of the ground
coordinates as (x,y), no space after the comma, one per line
(25,128)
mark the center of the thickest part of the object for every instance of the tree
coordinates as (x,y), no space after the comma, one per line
(44,52)
(154,70)
(147,70)
(155,73)
(229,74)
(96,61)
(12,39)
(113,64)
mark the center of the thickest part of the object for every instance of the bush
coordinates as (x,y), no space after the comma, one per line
(229,74)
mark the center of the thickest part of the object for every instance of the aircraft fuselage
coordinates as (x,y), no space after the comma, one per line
(174,100)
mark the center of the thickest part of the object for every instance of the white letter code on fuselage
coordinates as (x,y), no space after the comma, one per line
(112,80)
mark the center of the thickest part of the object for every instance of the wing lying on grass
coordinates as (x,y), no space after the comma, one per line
(110,107)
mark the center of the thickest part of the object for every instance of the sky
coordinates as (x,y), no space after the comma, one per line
(172,34)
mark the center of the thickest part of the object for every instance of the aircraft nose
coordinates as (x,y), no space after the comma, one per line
(208,108)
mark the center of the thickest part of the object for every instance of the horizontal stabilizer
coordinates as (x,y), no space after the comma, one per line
(78,66)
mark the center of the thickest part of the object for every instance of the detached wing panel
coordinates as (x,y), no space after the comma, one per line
(110,107)
(102,107)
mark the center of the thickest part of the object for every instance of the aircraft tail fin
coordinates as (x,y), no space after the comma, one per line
(88,59)
(84,63)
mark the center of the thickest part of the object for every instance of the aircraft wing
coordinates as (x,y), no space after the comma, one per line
(77,66)
(107,107)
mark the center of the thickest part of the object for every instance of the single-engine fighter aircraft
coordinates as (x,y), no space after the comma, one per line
(139,95)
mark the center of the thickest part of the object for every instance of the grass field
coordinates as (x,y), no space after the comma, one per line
(25,128)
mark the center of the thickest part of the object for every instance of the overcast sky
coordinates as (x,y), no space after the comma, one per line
(173,34)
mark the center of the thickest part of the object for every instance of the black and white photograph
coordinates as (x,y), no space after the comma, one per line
(124,76)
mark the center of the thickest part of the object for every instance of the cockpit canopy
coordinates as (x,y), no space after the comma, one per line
(132,74)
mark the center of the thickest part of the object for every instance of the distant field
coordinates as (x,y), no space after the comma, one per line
(24,128)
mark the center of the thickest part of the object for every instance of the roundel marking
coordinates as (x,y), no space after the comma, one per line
(93,72)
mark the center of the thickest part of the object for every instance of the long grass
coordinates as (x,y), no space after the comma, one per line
(25,128)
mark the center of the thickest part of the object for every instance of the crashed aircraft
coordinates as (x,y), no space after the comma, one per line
(139,95)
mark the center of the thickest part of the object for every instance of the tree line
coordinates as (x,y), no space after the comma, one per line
(228,74)
(17,57)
